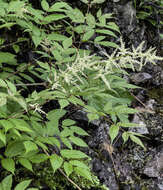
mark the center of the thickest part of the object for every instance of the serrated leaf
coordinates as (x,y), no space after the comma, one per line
(66,132)
(125,136)
(14,149)
(30,146)
(3,83)
(97,1)
(57,114)
(44,5)
(66,142)
(92,116)
(79,131)
(53,17)
(83,172)
(90,19)
(11,87)
(76,16)
(8,164)
(56,162)
(85,1)
(75,154)
(76,101)
(108,32)
(88,35)
(137,141)
(44,65)
(99,38)
(79,164)
(113,132)
(58,7)
(2,137)
(6,183)
(38,158)
(78,141)
(63,103)
(26,163)
(68,168)
(21,125)
(67,43)
(108,44)
(7,58)
(99,13)
(23,185)
(68,122)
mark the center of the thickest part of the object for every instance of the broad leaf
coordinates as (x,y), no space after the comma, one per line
(56,162)
(8,164)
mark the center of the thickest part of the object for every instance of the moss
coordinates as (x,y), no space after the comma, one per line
(43,176)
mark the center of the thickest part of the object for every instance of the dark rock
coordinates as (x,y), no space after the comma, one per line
(138,78)
(154,168)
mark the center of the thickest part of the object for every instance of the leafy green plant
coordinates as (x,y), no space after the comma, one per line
(6,184)
(68,74)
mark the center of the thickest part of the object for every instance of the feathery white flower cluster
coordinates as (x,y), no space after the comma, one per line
(120,59)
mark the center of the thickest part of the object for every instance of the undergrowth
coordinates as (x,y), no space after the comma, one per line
(57,67)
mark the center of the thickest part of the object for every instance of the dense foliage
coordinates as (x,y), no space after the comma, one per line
(42,59)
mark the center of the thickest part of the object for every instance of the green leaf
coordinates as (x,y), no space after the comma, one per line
(99,38)
(85,1)
(137,141)
(2,137)
(113,132)
(68,122)
(88,35)
(84,173)
(66,142)
(6,183)
(92,116)
(44,5)
(44,65)
(30,146)
(76,101)
(8,164)
(68,168)
(90,19)
(23,185)
(3,83)
(56,37)
(125,136)
(66,132)
(97,1)
(56,162)
(76,16)
(26,163)
(108,32)
(63,103)
(99,13)
(67,43)
(7,25)
(79,164)
(21,125)
(53,17)
(78,141)
(14,149)
(73,154)
(58,7)
(38,158)
(79,131)
(11,86)
(56,114)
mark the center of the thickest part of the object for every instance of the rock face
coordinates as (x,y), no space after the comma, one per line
(154,167)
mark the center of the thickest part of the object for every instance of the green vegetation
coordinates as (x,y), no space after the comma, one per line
(59,69)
